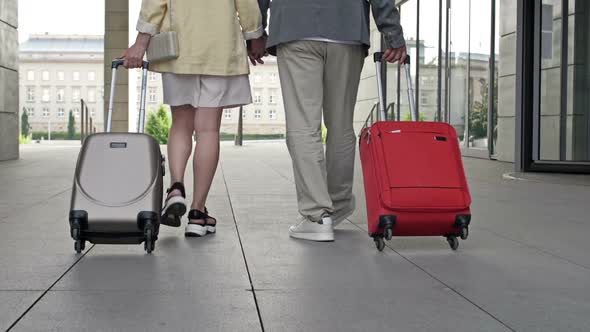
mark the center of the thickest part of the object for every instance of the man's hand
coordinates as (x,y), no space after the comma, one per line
(134,54)
(257,50)
(395,55)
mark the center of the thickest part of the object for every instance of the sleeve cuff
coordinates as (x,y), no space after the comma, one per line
(146,27)
(395,40)
(254,34)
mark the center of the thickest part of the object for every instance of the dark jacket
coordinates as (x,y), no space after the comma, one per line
(346,20)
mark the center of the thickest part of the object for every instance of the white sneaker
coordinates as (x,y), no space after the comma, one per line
(313,231)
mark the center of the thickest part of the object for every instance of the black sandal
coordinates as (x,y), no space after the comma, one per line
(211,227)
(174,207)
(194,229)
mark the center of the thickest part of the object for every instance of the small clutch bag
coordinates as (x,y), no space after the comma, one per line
(162,47)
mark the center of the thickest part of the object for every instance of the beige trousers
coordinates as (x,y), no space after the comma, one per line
(320,78)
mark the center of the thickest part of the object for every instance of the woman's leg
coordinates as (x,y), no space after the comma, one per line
(206,124)
(180,142)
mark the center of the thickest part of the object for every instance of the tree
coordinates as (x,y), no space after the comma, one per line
(24,123)
(158,125)
(478,127)
(71,126)
(408,117)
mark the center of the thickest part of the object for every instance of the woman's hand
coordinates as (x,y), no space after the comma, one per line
(134,54)
(257,50)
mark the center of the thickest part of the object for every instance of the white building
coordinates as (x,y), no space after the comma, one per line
(265,116)
(55,72)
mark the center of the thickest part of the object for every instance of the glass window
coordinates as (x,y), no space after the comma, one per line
(61,76)
(61,112)
(91,75)
(578,83)
(45,112)
(152,76)
(30,94)
(75,94)
(257,114)
(76,112)
(30,111)
(153,92)
(76,76)
(428,61)
(457,85)
(45,97)
(92,112)
(409,11)
(227,114)
(272,114)
(61,95)
(257,96)
(550,94)
(273,77)
(91,95)
(258,78)
(30,75)
(45,75)
(272,97)
(479,73)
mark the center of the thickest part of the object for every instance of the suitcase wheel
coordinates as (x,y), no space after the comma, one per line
(149,242)
(379,243)
(464,233)
(79,246)
(453,242)
(388,233)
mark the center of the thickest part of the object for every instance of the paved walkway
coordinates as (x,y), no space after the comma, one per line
(525,267)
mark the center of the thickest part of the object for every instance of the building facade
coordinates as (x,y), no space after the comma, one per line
(55,74)
(9,121)
(265,116)
(512,77)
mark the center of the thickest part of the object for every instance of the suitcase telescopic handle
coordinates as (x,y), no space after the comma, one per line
(115,64)
(378,58)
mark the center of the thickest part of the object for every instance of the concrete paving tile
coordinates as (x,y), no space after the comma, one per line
(203,309)
(32,258)
(365,308)
(13,304)
(527,289)
(178,263)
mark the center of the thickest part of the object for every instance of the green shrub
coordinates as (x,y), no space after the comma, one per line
(24,139)
(158,125)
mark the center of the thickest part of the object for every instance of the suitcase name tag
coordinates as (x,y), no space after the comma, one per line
(118,145)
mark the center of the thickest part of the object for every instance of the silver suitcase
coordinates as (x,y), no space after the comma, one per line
(118,185)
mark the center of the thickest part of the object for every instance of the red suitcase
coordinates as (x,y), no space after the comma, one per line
(414,179)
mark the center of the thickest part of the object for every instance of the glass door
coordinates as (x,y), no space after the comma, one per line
(562,113)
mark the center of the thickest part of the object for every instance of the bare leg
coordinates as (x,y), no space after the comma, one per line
(206,124)
(180,143)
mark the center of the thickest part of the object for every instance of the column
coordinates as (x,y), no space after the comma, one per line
(116,41)
(9,112)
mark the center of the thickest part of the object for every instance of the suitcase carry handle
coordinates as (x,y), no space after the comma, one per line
(378,58)
(116,63)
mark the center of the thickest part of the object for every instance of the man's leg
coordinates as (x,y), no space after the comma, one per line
(301,68)
(342,72)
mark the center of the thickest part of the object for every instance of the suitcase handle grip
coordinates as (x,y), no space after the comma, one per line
(115,64)
(378,58)
(119,62)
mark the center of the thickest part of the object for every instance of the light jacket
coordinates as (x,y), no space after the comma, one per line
(346,20)
(211,33)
